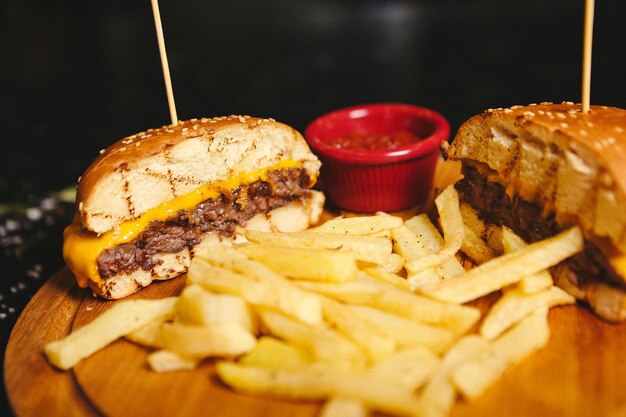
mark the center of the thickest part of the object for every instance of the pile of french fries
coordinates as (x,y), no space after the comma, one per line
(363,313)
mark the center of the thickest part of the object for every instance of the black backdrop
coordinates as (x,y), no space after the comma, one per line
(76,75)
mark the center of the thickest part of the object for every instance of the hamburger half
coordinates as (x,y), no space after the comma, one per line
(152,200)
(540,169)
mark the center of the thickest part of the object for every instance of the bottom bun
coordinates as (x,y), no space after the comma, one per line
(294,217)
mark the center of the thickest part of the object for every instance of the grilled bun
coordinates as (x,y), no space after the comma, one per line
(152,200)
(567,163)
(144,170)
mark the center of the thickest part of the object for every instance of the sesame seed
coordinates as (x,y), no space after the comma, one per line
(79,178)
(185,129)
(604,107)
(515,107)
(564,125)
(589,124)
(584,132)
(532,104)
(541,112)
(619,129)
(546,103)
(196,127)
(561,116)
(169,130)
(242,119)
(193,120)
(508,111)
(529,114)
(80,206)
(204,120)
(122,149)
(102,151)
(568,103)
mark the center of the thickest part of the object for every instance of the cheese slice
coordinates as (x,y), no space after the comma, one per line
(81,248)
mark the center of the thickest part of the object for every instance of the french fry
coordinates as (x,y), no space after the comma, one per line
(272,353)
(532,283)
(406,243)
(310,264)
(146,335)
(509,268)
(473,244)
(365,225)
(319,384)
(475,248)
(369,291)
(410,367)
(475,376)
(203,341)
(197,306)
(452,224)
(322,342)
(514,305)
(388,277)
(168,361)
(440,393)
(394,264)
(339,407)
(376,344)
(493,237)
(427,278)
(224,254)
(427,234)
(405,332)
(429,238)
(258,291)
(118,321)
(369,249)
(511,242)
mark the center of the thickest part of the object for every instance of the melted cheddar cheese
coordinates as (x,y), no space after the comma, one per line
(81,248)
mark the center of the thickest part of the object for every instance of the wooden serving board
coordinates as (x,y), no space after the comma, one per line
(580,373)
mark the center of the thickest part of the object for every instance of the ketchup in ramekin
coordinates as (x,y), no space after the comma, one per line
(378,157)
(371,142)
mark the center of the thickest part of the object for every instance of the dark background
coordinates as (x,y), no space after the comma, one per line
(76,76)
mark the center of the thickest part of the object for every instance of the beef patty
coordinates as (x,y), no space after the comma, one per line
(221,215)
(531,222)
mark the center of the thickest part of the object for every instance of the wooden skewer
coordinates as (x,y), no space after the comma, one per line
(587,43)
(166,68)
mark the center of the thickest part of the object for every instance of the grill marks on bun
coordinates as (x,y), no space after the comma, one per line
(554,155)
(127,180)
(563,167)
(155,175)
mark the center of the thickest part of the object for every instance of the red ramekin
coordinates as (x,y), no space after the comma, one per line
(367,181)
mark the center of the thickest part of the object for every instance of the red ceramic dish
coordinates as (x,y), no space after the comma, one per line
(388,179)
